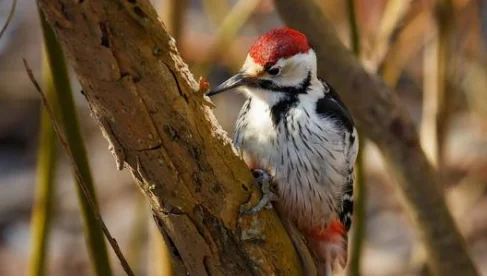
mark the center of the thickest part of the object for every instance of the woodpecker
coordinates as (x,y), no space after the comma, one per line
(296,135)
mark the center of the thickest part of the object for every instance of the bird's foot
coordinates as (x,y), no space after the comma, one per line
(263,179)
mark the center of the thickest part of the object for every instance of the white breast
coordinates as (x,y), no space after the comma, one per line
(305,154)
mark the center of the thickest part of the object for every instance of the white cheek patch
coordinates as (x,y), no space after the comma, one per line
(296,68)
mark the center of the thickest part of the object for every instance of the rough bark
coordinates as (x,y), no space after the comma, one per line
(380,116)
(160,126)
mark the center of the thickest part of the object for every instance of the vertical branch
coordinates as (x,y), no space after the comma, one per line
(434,112)
(428,131)
(231,24)
(482,12)
(405,46)
(354,31)
(44,192)
(359,191)
(445,21)
(172,13)
(394,12)
(63,98)
(435,102)
(138,234)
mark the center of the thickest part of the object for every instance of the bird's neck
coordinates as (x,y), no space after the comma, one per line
(278,105)
(309,89)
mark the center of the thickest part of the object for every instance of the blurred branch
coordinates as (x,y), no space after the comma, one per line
(63,98)
(399,54)
(445,18)
(159,126)
(354,30)
(44,192)
(160,263)
(437,93)
(474,85)
(172,13)
(9,18)
(216,10)
(407,44)
(79,177)
(377,111)
(482,10)
(435,103)
(138,234)
(231,24)
(394,12)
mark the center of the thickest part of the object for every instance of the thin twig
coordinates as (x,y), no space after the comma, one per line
(79,178)
(47,156)
(358,233)
(9,18)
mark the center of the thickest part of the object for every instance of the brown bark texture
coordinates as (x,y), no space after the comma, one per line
(160,126)
(378,113)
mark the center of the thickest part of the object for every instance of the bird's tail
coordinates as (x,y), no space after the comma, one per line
(329,246)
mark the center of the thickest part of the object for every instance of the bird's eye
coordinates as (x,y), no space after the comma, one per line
(274,71)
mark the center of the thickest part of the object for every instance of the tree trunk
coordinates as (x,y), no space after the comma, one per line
(160,126)
(378,113)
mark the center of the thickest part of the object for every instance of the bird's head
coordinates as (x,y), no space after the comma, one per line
(280,61)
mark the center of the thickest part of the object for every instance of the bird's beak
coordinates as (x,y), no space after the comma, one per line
(231,83)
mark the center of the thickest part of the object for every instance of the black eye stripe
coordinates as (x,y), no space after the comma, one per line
(271,86)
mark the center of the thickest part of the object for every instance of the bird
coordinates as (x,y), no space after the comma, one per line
(300,141)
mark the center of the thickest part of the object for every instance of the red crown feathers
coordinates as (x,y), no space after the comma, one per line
(278,43)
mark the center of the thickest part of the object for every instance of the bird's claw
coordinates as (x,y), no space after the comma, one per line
(263,179)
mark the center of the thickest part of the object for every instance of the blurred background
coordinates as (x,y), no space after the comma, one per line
(399,40)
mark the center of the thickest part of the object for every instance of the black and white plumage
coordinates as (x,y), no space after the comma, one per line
(295,127)
(308,144)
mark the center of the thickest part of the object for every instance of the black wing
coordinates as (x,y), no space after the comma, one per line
(332,106)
